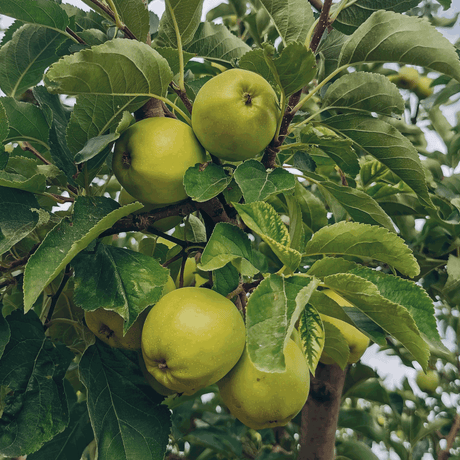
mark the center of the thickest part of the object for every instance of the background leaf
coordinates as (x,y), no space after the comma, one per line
(33,368)
(126,413)
(135,15)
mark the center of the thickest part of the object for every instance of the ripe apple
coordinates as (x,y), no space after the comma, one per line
(155,384)
(107,325)
(163,225)
(151,157)
(356,340)
(235,115)
(191,338)
(427,382)
(263,399)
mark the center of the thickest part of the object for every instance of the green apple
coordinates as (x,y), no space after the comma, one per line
(407,78)
(155,384)
(162,225)
(191,338)
(235,115)
(356,340)
(264,399)
(423,88)
(107,325)
(427,382)
(151,157)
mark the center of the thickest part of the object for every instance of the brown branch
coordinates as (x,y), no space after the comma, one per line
(74,35)
(110,13)
(316,4)
(215,210)
(8,282)
(19,262)
(444,454)
(27,147)
(320,413)
(153,108)
(67,275)
(183,97)
(323,23)
(63,199)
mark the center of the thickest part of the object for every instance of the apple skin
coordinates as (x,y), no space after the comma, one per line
(191,338)
(152,156)
(423,88)
(427,382)
(162,225)
(407,78)
(157,386)
(356,340)
(263,399)
(107,325)
(235,115)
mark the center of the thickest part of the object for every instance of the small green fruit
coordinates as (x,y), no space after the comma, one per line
(189,273)
(235,115)
(423,88)
(407,78)
(427,382)
(263,399)
(151,157)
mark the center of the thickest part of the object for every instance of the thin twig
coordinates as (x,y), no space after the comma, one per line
(27,147)
(67,275)
(19,262)
(316,4)
(183,97)
(450,438)
(7,282)
(74,35)
(110,13)
(323,23)
(63,199)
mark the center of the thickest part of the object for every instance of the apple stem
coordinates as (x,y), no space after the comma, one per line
(162,365)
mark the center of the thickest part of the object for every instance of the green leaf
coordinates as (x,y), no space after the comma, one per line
(362,240)
(292,18)
(228,243)
(41,12)
(406,293)
(355,450)
(351,17)
(314,213)
(361,207)
(312,334)
(393,37)
(295,67)
(389,146)
(216,41)
(119,280)
(135,15)
(262,219)
(218,439)
(18,216)
(271,313)
(59,151)
(257,184)
(126,414)
(335,345)
(117,67)
(225,279)
(297,232)
(27,122)
(172,56)
(69,444)
(393,318)
(95,116)
(33,368)
(337,148)
(92,215)
(37,47)
(371,390)
(35,183)
(362,422)
(203,183)
(181,17)
(94,146)
(364,91)
(5,334)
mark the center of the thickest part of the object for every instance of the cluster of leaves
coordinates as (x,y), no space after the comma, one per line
(336,209)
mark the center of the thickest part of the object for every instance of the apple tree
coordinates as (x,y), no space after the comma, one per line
(345,219)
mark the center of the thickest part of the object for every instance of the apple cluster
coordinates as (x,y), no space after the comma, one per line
(194,337)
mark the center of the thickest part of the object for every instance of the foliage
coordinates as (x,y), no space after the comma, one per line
(347,197)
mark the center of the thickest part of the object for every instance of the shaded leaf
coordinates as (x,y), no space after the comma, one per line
(312,334)
(33,368)
(202,184)
(135,15)
(225,279)
(335,345)
(271,313)
(92,215)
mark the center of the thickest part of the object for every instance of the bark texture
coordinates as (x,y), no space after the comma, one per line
(320,414)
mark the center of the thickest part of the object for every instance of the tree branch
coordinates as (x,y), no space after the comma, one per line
(444,454)
(74,35)
(320,413)
(323,23)
(183,97)
(110,13)
(19,262)
(27,147)
(67,275)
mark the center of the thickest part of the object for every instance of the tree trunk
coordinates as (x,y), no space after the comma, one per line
(320,413)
